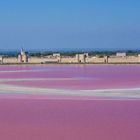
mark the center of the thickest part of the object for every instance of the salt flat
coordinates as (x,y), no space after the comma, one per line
(111,81)
(63,102)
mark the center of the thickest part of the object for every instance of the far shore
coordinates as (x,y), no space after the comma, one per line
(22,64)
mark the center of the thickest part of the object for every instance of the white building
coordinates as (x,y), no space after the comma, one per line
(121,54)
(56,55)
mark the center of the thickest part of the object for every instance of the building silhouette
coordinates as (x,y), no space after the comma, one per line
(23,56)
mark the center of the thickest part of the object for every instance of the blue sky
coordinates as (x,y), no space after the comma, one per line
(69,24)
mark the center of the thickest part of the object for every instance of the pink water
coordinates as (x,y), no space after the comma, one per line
(28,119)
(76,77)
(39,117)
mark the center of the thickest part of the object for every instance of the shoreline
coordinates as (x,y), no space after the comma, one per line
(45,64)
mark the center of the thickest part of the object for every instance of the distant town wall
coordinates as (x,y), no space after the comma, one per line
(43,60)
(10,60)
(23,57)
(127,59)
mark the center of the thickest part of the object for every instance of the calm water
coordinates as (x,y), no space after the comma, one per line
(33,118)
(74,76)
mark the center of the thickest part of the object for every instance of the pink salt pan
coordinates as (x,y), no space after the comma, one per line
(26,119)
(79,77)
(35,117)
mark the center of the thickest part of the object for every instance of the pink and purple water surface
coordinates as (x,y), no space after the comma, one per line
(27,117)
(74,76)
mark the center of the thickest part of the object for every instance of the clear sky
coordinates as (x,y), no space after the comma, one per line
(69,24)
